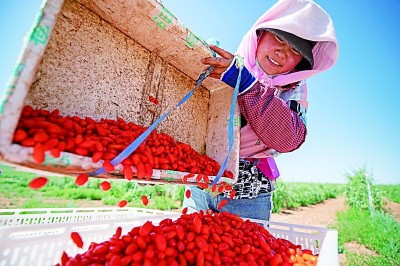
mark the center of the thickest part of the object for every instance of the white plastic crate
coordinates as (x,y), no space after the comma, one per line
(322,241)
(38,236)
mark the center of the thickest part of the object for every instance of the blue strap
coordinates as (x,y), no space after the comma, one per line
(133,146)
(230,128)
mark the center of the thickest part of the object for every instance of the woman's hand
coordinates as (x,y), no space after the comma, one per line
(220,63)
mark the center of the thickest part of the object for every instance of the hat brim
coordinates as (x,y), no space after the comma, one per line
(303,46)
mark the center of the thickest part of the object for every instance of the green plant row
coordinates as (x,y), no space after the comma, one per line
(288,195)
(356,192)
(391,192)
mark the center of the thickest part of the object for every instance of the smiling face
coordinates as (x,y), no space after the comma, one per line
(275,56)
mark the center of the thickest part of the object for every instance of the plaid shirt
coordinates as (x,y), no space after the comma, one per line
(275,117)
(274,122)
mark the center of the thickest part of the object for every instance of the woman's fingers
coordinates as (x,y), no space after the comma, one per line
(216,61)
(220,63)
(223,53)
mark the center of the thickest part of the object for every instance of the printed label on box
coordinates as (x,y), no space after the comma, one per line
(163,18)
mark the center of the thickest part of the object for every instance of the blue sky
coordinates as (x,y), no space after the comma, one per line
(353,117)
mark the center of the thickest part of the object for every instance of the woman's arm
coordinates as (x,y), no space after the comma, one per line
(277,126)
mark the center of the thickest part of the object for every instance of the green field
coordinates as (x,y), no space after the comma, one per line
(290,195)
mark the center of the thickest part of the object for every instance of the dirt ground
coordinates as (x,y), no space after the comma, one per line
(394,209)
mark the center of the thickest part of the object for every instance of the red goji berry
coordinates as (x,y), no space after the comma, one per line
(148,169)
(38,182)
(115,261)
(55,152)
(97,156)
(276,260)
(199,177)
(222,204)
(189,256)
(78,139)
(100,250)
(140,170)
(38,153)
(128,173)
(200,258)
(232,194)
(20,135)
(29,142)
(197,224)
(40,136)
(88,144)
(81,179)
(145,200)
(81,151)
(146,228)
(76,238)
(118,232)
(180,233)
(105,185)
(64,258)
(122,203)
(161,242)
(202,185)
(108,156)
(131,248)
(108,166)
(138,256)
